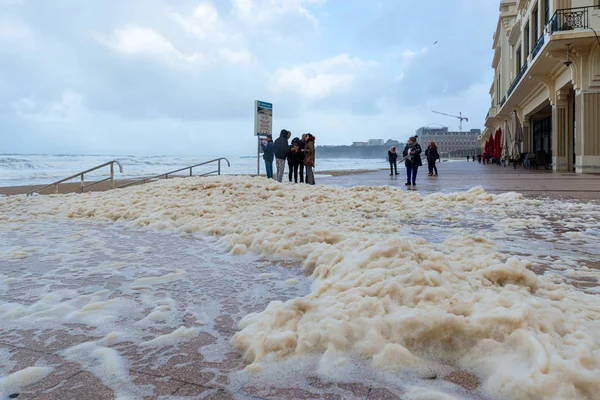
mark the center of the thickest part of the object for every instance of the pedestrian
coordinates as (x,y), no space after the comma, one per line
(479,158)
(281,149)
(268,155)
(432,155)
(412,154)
(295,158)
(301,158)
(468,158)
(473,157)
(309,158)
(393,159)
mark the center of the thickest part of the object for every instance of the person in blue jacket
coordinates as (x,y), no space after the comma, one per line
(268,155)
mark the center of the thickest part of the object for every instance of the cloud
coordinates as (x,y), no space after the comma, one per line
(130,74)
(133,40)
(319,80)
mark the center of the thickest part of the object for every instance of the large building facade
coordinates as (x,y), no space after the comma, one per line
(547,70)
(455,144)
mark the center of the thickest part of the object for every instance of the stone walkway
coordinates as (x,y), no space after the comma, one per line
(462,175)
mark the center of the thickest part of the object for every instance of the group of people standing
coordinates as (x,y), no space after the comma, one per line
(412,160)
(300,156)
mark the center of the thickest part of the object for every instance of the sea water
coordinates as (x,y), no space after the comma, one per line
(17,169)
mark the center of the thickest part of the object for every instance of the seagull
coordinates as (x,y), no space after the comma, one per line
(436,42)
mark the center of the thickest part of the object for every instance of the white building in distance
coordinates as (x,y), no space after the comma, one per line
(455,144)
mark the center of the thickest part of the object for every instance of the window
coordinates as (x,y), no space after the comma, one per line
(534,15)
(518,58)
(526,39)
(546,12)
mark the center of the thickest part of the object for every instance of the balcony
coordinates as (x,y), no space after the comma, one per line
(502,101)
(569,19)
(538,46)
(517,79)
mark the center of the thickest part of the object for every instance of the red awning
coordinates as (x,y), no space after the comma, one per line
(498,144)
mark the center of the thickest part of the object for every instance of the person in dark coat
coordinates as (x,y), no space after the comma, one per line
(393,159)
(268,155)
(295,158)
(301,167)
(432,155)
(412,154)
(281,149)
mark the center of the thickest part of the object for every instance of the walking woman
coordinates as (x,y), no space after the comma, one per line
(432,156)
(412,152)
(393,158)
(309,158)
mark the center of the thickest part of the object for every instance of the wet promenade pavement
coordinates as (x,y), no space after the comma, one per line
(462,175)
(76,298)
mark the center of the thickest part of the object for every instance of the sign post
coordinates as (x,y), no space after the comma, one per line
(263,126)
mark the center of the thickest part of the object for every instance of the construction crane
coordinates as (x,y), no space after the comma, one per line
(459,116)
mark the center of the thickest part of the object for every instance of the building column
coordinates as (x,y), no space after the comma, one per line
(560,130)
(587,104)
(527,146)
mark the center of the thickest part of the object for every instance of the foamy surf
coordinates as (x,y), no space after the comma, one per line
(382,298)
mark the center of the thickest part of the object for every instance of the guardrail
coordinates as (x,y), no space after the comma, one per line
(538,46)
(111,178)
(190,168)
(517,79)
(568,19)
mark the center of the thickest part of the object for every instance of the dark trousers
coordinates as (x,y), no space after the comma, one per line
(432,167)
(294,172)
(301,168)
(411,172)
(393,168)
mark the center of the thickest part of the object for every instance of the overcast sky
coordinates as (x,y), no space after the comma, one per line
(179,77)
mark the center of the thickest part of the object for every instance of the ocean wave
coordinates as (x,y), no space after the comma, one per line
(21,163)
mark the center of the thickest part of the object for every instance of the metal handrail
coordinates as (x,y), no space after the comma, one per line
(166,175)
(517,79)
(567,19)
(538,46)
(83,185)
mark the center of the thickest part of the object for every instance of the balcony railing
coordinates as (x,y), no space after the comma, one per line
(517,79)
(538,46)
(568,19)
(502,101)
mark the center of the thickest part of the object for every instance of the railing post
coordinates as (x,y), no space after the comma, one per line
(82,183)
(190,171)
(219,168)
(56,188)
(112,175)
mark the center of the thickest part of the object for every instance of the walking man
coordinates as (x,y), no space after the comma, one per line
(281,149)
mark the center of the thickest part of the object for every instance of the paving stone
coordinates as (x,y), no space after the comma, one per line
(384,394)
(82,386)
(62,370)
(46,341)
(464,379)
